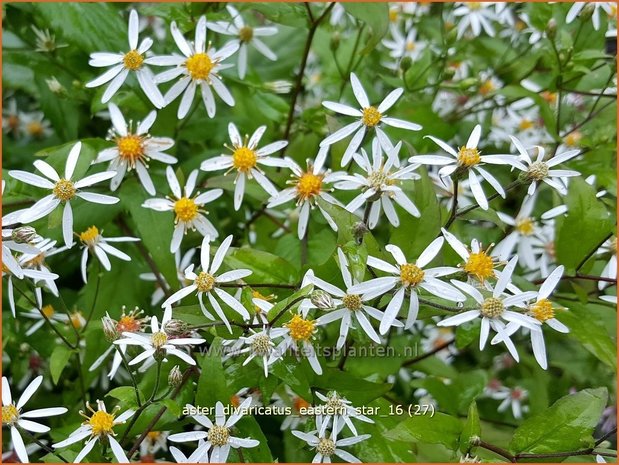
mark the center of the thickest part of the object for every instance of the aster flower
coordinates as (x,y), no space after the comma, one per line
(309,185)
(512,398)
(94,242)
(35,259)
(478,263)
(300,331)
(46,313)
(198,67)
(407,277)
(200,455)
(124,63)
(369,117)
(521,237)
(159,344)
(207,281)
(379,185)
(401,46)
(187,208)
(15,419)
(348,306)
(259,344)
(218,435)
(467,159)
(134,150)
(245,159)
(493,310)
(297,404)
(63,190)
(608,7)
(610,269)
(474,16)
(338,411)
(99,426)
(245,35)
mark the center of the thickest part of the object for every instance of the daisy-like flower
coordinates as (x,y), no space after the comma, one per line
(245,159)
(35,126)
(512,398)
(339,411)
(379,185)
(63,190)
(11,122)
(308,186)
(326,445)
(159,344)
(260,344)
(15,419)
(182,262)
(207,281)
(608,7)
(493,310)
(348,306)
(300,331)
(522,236)
(99,426)
(407,277)
(35,260)
(467,159)
(199,67)
(46,313)
(152,443)
(401,46)
(475,16)
(188,210)
(94,242)
(124,63)
(134,149)
(200,455)
(298,405)
(539,170)
(478,263)
(245,35)
(370,117)
(218,435)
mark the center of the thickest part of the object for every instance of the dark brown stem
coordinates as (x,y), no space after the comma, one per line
(454,206)
(438,348)
(286,308)
(590,254)
(497,450)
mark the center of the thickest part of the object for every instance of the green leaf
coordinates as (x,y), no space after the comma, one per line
(58,361)
(359,391)
(471,429)
(265,267)
(375,16)
(566,425)
(212,386)
(433,429)
(125,394)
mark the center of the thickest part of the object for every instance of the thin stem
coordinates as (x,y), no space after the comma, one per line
(94,300)
(444,307)
(157,378)
(81,376)
(510,186)
(273,285)
(351,60)
(133,380)
(43,446)
(497,450)
(423,356)
(590,254)
(454,206)
(606,436)
(285,309)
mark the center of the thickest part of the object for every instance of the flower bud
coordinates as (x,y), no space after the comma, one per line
(551,29)
(175,378)
(278,87)
(335,41)
(175,328)
(56,87)
(449,72)
(468,82)
(24,234)
(109,328)
(321,299)
(587,12)
(406,63)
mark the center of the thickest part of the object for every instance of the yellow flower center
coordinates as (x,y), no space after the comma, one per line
(101,423)
(411,274)
(537,171)
(474,5)
(128,324)
(218,435)
(77,319)
(393,15)
(299,403)
(261,345)
(48,311)
(35,129)
(64,190)
(525,123)
(325,447)
(185,209)
(153,435)
(371,117)
(468,157)
(300,329)
(550,97)
(89,237)
(378,179)
(205,282)
(572,139)
(542,310)
(199,66)
(520,25)
(130,148)
(13,122)
(246,34)
(410,46)
(133,60)
(492,307)
(525,226)
(352,302)
(10,414)
(309,185)
(159,339)
(244,159)
(486,87)
(479,265)
(235,400)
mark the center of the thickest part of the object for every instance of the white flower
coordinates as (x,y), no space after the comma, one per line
(370,117)
(326,445)
(610,269)
(182,262)
(218,435)
(478,263)
(259,344)
(298,405)
(338,411)
(99,426)
(207,282)
(494,309)
(514,398)
(245,35)
(35,258)
(94,242)
(539,170)
(408,277)
(200,455)
(159,344)
(188,211)
(474,15)
(199,66)
(309,185)
(348,306)
(124,63)
(63,190)
(46,313)
(401,46)
(525,227)
(608,7)
(298,337)
(134,149)
(245,159)
(465,159)
(379,186)
(15,419)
